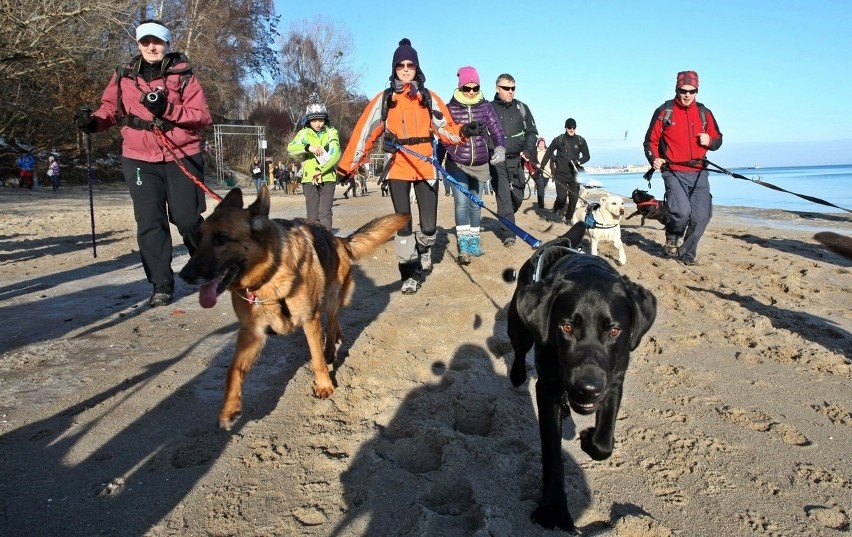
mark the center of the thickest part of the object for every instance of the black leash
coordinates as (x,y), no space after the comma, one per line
(703,163)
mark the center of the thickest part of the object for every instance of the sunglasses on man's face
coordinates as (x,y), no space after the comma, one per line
(470,89)
(683,91)
(406,65)
(507,88)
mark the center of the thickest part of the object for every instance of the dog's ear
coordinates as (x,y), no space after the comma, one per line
(533,303)
(234,198)
(644,310)
(259,210)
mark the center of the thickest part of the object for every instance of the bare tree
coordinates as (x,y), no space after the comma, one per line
(316,56)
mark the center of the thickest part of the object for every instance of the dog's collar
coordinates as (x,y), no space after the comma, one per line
(253,299)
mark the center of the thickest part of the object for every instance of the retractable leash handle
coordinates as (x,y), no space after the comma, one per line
(523,235)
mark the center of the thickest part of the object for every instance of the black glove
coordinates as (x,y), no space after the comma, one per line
(84,120)
(474,128)
(155,102)
(537,174)
(388,141)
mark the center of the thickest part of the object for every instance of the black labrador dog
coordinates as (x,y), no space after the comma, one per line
(649,207)
(583,319)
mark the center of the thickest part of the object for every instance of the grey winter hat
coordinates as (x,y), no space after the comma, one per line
(316,109)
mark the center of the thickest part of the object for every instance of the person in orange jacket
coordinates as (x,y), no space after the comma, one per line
(408,115)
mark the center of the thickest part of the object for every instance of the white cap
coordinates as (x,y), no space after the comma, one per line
(154,29)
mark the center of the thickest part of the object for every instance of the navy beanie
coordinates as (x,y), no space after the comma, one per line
(405,52)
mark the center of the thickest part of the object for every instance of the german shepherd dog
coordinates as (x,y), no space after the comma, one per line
(282,274)
(649,207)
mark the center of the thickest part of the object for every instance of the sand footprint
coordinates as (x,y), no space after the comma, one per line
(759,421)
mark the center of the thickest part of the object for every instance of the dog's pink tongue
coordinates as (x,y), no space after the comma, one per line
(207,294)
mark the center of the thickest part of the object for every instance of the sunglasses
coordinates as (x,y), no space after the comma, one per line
(507,88)
(687,91)
(469,89)
(406,65)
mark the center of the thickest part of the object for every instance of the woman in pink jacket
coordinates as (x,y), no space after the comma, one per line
(156,94)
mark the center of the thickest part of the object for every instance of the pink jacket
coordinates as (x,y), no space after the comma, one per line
(187,110)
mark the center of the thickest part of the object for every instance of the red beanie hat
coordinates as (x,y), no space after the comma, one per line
(687,78)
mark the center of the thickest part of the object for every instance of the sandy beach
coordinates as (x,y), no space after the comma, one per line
(736,418)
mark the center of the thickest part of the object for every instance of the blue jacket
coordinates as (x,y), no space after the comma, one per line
(26,162)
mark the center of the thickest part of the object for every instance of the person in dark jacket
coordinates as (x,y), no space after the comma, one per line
(507,177)
(157,89)
(468,163)
(572,152)
(678,138)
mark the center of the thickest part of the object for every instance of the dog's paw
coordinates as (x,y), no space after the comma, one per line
(227,419)
(593,450)
(324,391)
(551,516)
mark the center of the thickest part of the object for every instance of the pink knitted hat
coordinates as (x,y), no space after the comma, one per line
(468,75)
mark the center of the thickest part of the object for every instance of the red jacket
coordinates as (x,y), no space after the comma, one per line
(680,137)
(187,110)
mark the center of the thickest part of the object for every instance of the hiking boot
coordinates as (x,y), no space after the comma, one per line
(474,246)
(426,261)
(509,241)
(670,248)
(688,261)
(410,286)
(464,250)
(160,297)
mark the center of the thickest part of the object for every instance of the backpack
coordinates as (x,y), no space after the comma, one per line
(130,70)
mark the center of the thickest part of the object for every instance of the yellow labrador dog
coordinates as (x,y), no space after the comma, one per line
(603,222)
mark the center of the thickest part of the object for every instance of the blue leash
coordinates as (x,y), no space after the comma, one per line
(523,235)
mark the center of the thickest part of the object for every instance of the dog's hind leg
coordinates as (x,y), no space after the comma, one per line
(313,331)
(249,344)
(552,510)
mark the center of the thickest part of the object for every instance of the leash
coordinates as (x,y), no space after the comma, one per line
(702,163)
(171,149)
(523,235)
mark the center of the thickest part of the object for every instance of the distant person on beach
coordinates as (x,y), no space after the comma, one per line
(408,115)
(469,163)
(26,164)
(508,178)
(319,144)
(572,152)
(53,171)
(541,179)
(680,134)
(157,88)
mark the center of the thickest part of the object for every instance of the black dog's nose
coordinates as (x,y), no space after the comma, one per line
(588,388)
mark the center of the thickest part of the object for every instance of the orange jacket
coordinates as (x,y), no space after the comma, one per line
(408,119)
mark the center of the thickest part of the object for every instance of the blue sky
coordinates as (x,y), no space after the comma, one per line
(777,74)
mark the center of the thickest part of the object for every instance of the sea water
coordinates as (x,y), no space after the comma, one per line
(830,183)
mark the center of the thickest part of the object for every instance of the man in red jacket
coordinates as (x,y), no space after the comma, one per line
(679,136)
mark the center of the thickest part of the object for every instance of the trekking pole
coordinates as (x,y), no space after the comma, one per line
(523,235)
(90,179)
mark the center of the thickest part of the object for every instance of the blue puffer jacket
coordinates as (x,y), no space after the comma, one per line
(475,151)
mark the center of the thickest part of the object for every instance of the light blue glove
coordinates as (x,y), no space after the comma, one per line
(498,156)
